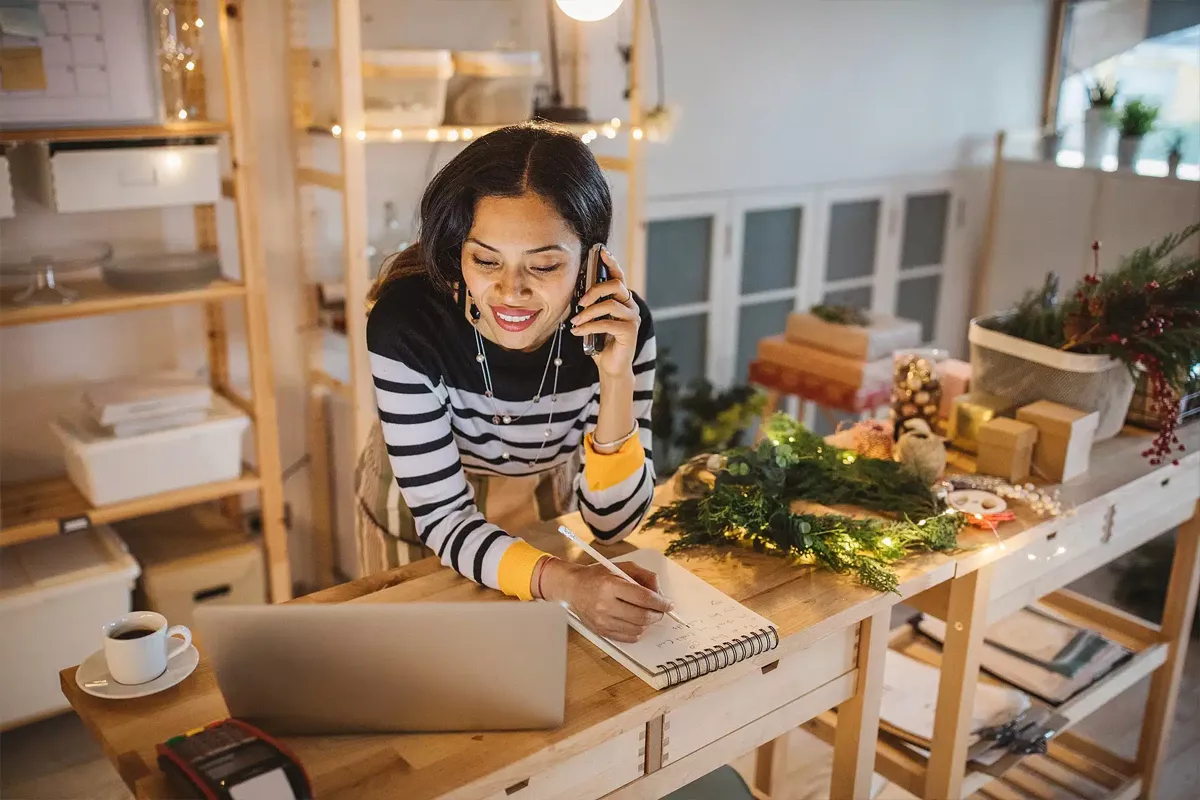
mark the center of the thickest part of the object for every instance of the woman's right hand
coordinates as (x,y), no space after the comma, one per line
(613,608)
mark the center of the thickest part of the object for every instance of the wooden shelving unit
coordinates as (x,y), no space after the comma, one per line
(35,509)
(49,507)
(352,134)
(96,298)
(169,130)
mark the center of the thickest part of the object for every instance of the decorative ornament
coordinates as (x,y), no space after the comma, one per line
(872,439)
(920,451)
(916,389)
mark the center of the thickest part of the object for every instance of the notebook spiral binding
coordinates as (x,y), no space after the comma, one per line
(711,659)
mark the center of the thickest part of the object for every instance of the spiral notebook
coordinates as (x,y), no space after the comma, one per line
(720,630)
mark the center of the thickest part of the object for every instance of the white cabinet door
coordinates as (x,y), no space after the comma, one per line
(926,263)
(853,247)
(686,257)
(771,244)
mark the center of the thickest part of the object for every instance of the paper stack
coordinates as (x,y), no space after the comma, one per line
(1042,653)
(135,406)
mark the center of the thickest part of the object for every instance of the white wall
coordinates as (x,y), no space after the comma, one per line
(795,92)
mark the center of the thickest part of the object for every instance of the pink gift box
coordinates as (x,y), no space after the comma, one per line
(955,377)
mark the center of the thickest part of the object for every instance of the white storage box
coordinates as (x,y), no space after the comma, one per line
(115,178)
(6,194)
(106,469)
(492,87)
(54,595)
(401,88)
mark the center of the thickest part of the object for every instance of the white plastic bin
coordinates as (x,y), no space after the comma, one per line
(401,88)
(54,595)
(492,87)
(117,178)
(107,470)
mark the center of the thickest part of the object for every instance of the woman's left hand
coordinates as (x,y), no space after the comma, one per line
(611,299)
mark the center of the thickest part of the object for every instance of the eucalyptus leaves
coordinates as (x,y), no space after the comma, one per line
(750,503)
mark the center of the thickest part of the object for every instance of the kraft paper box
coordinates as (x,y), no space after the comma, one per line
(835,367)
(1065,435)
(879,339)
(1006,449)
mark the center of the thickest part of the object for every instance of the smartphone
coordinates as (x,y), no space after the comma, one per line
(594,272)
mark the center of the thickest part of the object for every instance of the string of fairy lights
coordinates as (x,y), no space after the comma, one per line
(444,133)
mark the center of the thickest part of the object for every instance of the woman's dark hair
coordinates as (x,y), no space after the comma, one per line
(547,160)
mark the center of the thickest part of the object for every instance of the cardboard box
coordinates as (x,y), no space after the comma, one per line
(883,336)
(832,366)
(1006,449)
(192,556)
(1065,436)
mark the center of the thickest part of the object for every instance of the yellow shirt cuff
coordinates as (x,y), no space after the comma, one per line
(516,569)
(604,470)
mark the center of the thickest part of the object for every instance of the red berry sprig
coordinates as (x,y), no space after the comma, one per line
(1164,403)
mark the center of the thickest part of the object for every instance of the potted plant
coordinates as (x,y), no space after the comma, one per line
(1175,155)
(1143,316)
(1137,119)
(1097,123)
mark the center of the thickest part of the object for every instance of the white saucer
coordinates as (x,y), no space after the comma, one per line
(95,668)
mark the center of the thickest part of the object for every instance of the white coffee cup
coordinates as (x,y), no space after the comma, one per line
(143,656)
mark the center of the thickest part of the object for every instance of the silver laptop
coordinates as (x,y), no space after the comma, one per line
(389,667)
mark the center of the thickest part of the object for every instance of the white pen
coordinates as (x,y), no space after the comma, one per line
(611,567)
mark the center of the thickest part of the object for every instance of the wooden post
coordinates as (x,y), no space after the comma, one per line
(984,267)
(258,339)
(1178,613)
(348,38)
(858,717)
(770,766)
(966,623)
(1054,62)
(634,257)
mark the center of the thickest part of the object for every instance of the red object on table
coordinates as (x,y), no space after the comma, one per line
(822,391)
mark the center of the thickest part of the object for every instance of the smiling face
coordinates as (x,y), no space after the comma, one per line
(521,263)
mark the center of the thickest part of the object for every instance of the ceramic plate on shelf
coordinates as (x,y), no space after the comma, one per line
(92,676)
(163,272)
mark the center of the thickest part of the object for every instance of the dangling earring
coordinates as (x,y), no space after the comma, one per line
(474,310)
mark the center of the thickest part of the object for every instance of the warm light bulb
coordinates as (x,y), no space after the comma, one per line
(431,134)
(397,133)
(185,26)
(616,122)
(886,541)
(467,133)
(174,162)
(182,114)
(191,65)
(199,22)
(361,135)
(452,135)
(336,130)
(588,10)
(638,134)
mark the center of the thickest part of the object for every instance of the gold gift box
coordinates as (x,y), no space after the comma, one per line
(971,411)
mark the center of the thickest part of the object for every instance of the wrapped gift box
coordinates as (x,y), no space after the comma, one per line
(860,342)
(833,366)
(816,389)
(1065,436)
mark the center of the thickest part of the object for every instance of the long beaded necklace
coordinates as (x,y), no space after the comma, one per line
(555,358)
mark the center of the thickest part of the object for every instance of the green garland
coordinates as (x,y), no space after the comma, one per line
(839,314)
(750,503)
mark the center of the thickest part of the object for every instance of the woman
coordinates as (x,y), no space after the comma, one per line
(475,342)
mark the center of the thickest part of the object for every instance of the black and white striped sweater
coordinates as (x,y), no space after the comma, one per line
(437,422)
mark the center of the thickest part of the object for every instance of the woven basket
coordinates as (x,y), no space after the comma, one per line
(1023,372)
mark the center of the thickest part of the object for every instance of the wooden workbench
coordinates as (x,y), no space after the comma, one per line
(622,739)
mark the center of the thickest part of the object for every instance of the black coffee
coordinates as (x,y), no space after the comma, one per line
(133,633)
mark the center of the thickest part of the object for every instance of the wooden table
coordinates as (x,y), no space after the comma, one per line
(1120,503)
(621,738)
